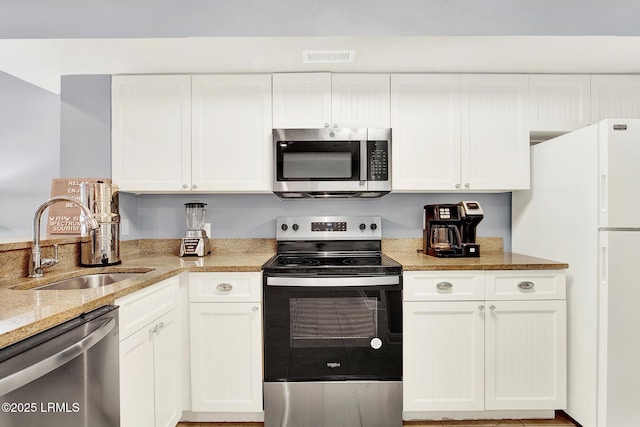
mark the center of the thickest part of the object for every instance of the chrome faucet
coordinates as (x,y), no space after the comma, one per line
(37,263)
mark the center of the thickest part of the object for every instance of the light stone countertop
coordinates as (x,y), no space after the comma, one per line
(25,312)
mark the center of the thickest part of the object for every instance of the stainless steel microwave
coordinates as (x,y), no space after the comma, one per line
(329,162)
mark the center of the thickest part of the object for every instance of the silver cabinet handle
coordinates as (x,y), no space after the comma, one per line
(444,286)
(457,186)
(153,330)
(194,186)
(467,185)
(185,186)
(161,326)
(326,125)
(526,285)
(254,309)
(224,287)
(492,307)
(481,307)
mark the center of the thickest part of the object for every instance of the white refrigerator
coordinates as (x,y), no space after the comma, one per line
(584,209)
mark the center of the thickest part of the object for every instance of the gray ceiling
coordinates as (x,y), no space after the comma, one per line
(198,18)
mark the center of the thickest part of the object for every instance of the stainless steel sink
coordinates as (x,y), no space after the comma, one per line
(89,281)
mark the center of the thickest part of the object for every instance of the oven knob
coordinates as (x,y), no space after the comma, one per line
(374,226)
(295,227)
(363,226)
(376,343)
(284,227)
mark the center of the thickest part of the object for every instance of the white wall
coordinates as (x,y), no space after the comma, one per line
(29,152)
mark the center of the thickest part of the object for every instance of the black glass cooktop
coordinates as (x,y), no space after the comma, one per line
(341,263)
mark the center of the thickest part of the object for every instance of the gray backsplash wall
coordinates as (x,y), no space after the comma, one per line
(85,152)
(236,216)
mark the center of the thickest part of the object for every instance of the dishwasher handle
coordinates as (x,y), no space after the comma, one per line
(47,364)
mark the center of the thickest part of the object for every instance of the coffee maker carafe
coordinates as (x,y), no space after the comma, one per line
(195,242)
(450,229)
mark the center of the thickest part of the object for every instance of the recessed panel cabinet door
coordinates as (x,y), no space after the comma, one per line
(151,133)
(137,407)
(232,133)
(443,356)
(495,132)
(525,355)
(425,121)
(301,100)
(226,357)
(168,374)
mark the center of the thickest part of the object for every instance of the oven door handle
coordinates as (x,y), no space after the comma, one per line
(336,282)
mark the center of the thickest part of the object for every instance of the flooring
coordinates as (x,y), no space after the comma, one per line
(561,420)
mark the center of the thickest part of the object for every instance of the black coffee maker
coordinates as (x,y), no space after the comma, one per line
(450,229)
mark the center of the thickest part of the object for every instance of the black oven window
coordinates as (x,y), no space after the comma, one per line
(327,322)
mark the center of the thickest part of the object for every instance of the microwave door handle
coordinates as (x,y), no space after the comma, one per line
(363,162)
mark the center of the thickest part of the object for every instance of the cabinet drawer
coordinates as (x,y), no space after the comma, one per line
(145,306)
(225,287)
(443,285)
(525,284)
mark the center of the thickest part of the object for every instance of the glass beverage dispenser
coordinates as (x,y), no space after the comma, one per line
(195,242)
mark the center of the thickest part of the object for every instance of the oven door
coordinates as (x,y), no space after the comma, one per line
(333,328)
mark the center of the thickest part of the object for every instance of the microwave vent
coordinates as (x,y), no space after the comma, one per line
(327,56)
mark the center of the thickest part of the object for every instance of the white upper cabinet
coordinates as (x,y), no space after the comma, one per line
(183,133)
(495,132)
(615,97)
(360,100)
(558,103)
(450,132)
(425,125)
(151,132)
(301,100)
(231,133)
(315,100)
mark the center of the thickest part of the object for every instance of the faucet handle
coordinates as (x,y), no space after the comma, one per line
(50,262)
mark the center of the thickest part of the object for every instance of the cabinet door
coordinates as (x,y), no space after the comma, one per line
(301,100)
(443,356)
(232,133)
(425,121)
(495,132)
(525,355)
(360,100)
(167,363)
(136,380)
(558,103)
(226,357)
(615,97)
(151,133)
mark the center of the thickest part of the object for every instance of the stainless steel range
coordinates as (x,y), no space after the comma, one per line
(332,326)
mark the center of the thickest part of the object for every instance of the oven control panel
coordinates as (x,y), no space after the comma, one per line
(329,228)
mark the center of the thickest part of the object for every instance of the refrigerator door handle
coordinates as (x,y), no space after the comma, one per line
(604,260)
(604,199)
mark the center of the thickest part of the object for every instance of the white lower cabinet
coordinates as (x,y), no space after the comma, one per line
(150,356)
(226,344)
(469,350)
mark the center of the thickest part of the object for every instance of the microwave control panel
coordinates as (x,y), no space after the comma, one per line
(377,153)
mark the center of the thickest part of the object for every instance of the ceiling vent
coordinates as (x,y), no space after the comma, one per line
(327,56)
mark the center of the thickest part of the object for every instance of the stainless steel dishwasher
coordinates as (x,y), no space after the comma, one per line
(64,376)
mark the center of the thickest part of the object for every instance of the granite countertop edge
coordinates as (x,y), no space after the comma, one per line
(25,312)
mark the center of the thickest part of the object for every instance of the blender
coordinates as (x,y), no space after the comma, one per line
(195,242)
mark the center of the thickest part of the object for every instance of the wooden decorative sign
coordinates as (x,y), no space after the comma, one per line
(64,217)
